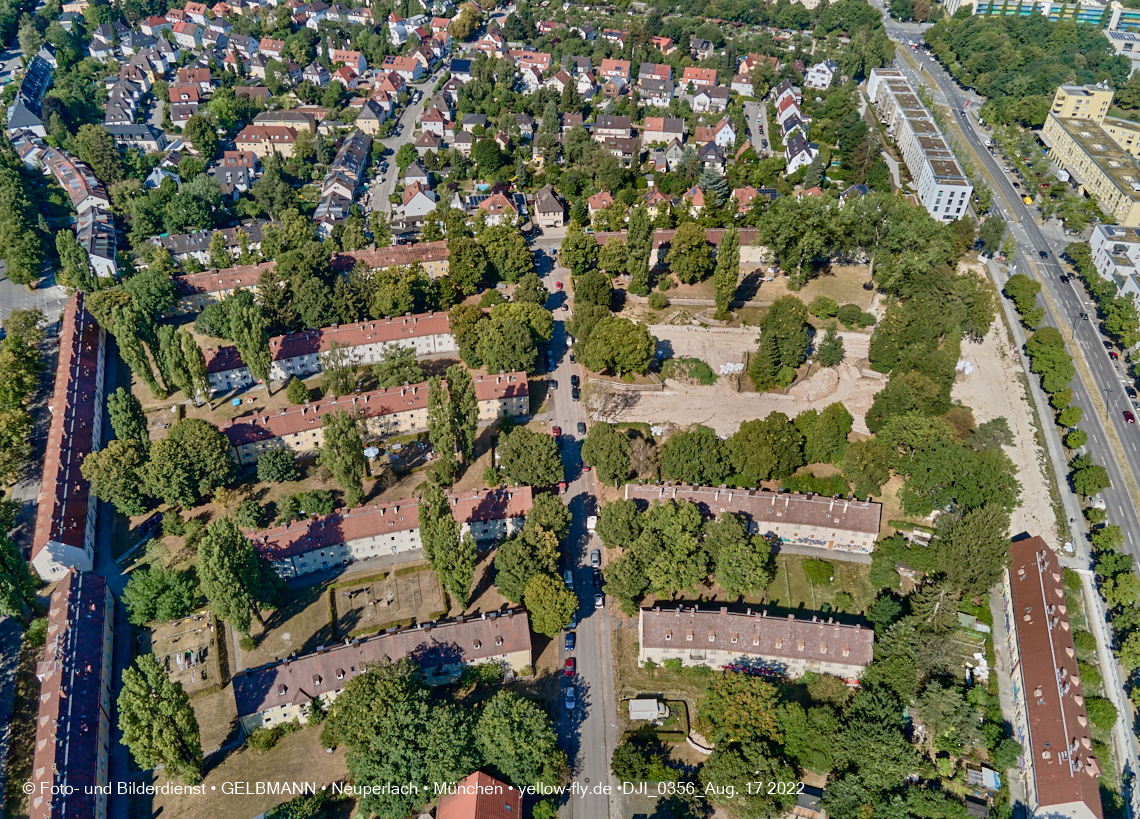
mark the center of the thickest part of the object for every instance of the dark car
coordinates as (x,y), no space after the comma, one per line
(1044,254)
(581,428)
(1130,392)
(597,578)
(1107,344)
(575,381)
(574,393)
(1064,279)
(570,640)
(553,385)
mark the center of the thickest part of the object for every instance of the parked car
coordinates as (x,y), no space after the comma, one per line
(571,699)
(1130,391)
(571,640)
(581,428)
(595,557)
(599,600)
(556,431)
(570,667)
(574,390)
(558,285)
(553,385)
(597,579)
(575,381)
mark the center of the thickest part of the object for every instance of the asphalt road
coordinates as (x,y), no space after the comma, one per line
(377,196)
(758,131)
(588,732)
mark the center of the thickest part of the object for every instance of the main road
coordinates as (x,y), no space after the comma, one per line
(588,731)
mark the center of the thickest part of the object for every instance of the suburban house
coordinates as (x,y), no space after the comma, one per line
(480,796)
(548,208)
(799,153)
(499,210)
(614,68)
(821,75)
(263,140)
(722,134)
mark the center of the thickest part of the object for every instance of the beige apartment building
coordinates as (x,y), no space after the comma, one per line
(717,638)
(281,692)
(391,411)
(1098,150)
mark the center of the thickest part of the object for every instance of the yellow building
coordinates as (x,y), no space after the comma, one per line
(1103,169)
(1082,102)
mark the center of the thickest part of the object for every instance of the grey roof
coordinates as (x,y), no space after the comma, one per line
(133,133)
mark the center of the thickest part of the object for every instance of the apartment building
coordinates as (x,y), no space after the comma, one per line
(183,246)
(197,290)
(299,354)
(64,535)
(1125,44)
(264,140)
(842,527)
(386,528)
(1111,16)
(1116,255)
(391,411)
(432,256)
(754,640)
(1103,169)
(1058,766)
(73,728)
(280,692)
(943,187)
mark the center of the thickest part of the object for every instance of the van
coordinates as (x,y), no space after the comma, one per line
(569,576)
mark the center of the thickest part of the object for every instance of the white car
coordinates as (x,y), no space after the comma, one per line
(571,699)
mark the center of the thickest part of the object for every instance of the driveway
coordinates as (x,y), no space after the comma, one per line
(758,131)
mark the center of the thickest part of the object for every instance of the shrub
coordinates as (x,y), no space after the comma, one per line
(1090,676)
(262,739)
(866,320)
(297,392)
(276,466)
(658,300)
(173,525)
(688,369)
(823,307)
(36,635)
(849,314)
(1102,713)
(250,514)
(247,643)
(673,664)
(830,485)
(844,601)
(1084,640)
(490,298)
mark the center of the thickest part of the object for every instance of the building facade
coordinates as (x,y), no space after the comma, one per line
(387,528)
(842,527)
(753,640)
(391,411)
(1116,255)
(1050,721)
(73,729)
(64,537)
(299,354)
(943,187)
(280,692)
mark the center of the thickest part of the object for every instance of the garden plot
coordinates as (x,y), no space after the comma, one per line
(188,651)
(383,602)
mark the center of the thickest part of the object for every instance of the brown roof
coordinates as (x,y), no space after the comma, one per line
(761,505)
(397,255)
(480,796)
(755,632)
(213,281)
(345,526)
(373,404)
(1059,741)
(61,508)
(345,335)
(71,698)
(299,680)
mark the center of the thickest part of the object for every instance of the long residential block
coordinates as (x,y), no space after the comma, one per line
(1050,721)
(197,290)
(842,526)
(299,354)
(281,692)
(391,411)
(388,528)
(64,536)
(73,729)
(753,640)
(943,187)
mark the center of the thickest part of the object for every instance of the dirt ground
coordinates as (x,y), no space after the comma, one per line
(298,627)
(384,601)
(995,389)
(842,283)
(187,649)
(298,757)
(716,346)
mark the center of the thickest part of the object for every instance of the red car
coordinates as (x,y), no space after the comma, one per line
(558,285)
(1129,417)
(570,666)
(556,431)
(562,487)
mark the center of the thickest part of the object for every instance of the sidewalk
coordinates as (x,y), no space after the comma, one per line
(1005,688)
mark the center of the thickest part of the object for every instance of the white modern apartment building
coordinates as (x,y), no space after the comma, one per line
(385,528)
(299,354)
(943,187)
(1116,254)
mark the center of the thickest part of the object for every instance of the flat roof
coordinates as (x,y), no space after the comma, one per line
(1112,160)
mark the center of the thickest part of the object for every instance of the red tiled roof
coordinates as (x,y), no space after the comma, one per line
(345,526)
(212,281)
(1059,741)
(397,255)
(72,700)
(61,510)
(480,796)
(699,75)
(373,404)
(345,335)
(297,681)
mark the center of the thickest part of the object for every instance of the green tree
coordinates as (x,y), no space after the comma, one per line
(397,366)
(764,448)
(1102,713)
(338,369)
(158,723)
(172,362)
(75,271)
(127,417)
(1088,478)
(296,391)
(441,429)
(507,252)
(1022,291)
(277,465)
(612,257)
(518,559)
(974,550)
(550,603)
(1050,359)
(618,344)
(639,243)
(607,450)
(579,250)
(249,334)
(530,290)
(343,453)
(464,407)
(593,287)
(201,133)
(732,767)
(195,363)
(696,457)
(727,272)
(156,594)
(809,736)
(17,586)
(237,582)
(830,352)
(743,563)
(739,707)
(467,264)
(516,738)
(689,256)
(528,458)
(114,473)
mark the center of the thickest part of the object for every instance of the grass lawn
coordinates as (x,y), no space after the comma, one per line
(688,686)
(399,597)
(217,718)
(789,589)
(298,757)
(298,627)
